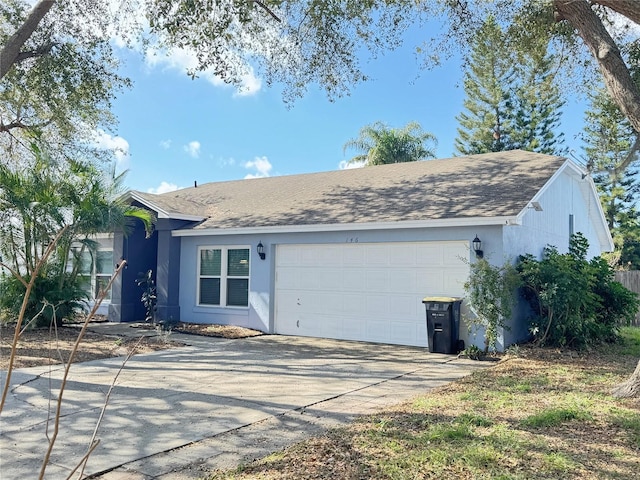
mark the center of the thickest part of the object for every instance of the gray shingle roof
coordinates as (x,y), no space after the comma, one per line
(487,185)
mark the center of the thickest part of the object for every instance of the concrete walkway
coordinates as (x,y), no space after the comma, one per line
(214,403)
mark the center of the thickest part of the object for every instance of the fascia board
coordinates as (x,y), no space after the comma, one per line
(337,227)
(606,242)
(567,164)
(161,213)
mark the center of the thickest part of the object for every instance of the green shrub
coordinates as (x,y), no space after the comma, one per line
(576,302)
(491,293)
(50,299)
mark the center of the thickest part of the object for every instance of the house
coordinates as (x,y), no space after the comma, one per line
(350,254)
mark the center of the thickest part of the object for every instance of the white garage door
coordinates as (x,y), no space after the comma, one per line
(365,291)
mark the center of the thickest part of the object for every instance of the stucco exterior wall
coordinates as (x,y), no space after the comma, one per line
(260,314)
(568,196)
(569,205)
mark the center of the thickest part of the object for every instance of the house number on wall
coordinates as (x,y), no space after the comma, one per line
(352,240)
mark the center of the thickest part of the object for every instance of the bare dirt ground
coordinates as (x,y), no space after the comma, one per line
(38,347)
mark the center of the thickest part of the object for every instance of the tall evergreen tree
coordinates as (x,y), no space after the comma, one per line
(612,156)
(538,105)
(488,81)
(512,100)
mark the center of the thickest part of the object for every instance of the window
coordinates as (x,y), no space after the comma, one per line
(223,277)
(94,271)
(102,273)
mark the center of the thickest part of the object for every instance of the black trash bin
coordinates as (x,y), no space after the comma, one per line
(443,322)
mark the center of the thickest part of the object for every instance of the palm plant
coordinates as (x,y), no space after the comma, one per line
(36,204)
(379,144)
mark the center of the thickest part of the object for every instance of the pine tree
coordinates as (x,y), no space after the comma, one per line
(538,106)
(488,80)
(512,100)
(612,157)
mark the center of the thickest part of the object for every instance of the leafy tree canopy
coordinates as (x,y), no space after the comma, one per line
(321,41)
(60,86)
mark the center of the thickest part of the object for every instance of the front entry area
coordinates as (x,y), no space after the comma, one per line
(368,292)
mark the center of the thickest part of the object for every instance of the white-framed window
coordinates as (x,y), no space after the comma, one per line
(223,276)
(95,271)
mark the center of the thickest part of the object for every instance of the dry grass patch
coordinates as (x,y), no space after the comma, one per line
(541,414)
(48,347)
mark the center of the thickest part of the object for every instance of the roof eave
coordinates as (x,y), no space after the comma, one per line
(337,227)
(604,235)
(161,213)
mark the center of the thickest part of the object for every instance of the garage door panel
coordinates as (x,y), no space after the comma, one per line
(377,304)
(328,278)
(353,257)
(454,252)
(376,254)
(366,292)
(377,280)
(402,280)
(287,278)
(377,331)
(306,281)
(403,332)
(288,256)
(404,305)
(332,327)
(287,301)
(353,304)
(329,303)
(354,279)
(431,281)
(429,255)
(399,257)
(353,328)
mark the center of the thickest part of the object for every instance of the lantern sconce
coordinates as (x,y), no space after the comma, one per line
(260,249)
(477,247)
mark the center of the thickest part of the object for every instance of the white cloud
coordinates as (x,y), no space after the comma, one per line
(261,165)
(183,60)
(165,144)
(347,165)
(225,162)
(193,148)
(164,187)
(118,145)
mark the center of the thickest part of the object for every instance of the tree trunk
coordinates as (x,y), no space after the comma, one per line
(623,90)
(631,387)
(10,52)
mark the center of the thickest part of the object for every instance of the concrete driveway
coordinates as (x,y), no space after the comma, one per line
(175,414)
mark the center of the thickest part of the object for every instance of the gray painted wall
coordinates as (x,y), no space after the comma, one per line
(260,314)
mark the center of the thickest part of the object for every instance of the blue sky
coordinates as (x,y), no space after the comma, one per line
(174,130)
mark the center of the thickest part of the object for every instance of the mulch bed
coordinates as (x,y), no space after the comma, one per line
(43,346)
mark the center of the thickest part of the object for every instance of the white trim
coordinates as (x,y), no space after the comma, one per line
(161,213)
(338,227)
(583,176)
(101,236)
(224,249)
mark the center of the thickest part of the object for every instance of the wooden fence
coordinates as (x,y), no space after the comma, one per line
(631,280)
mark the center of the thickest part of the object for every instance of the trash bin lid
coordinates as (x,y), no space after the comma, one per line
(441,299)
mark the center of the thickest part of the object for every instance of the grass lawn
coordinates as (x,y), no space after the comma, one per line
(537,414)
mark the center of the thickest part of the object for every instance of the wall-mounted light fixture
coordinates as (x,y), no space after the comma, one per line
(260,249)
(477,247)
(536,206)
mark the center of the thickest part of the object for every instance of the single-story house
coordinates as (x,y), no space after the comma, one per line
(350,254)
